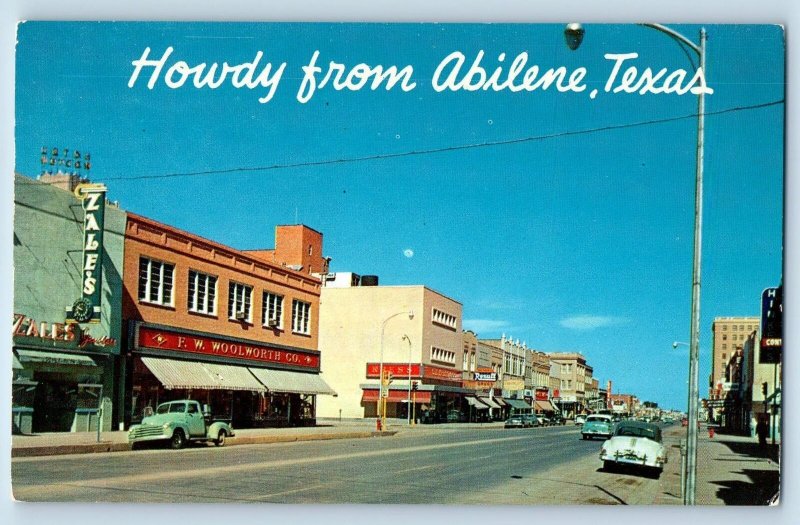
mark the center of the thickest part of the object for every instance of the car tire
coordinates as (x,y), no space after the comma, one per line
(608,466)
(584,436)
(178,440)
(220,441)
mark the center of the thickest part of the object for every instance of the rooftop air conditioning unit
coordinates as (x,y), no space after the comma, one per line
(241,316)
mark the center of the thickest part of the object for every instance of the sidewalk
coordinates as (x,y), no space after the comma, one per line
(731,470)
(57,443)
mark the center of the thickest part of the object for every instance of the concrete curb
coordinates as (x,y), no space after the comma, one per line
(108,446)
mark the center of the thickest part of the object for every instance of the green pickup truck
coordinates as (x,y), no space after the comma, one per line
(180,422)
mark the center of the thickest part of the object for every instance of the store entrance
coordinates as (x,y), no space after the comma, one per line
(54,404)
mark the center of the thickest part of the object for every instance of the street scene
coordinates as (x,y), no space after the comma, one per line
(453,264)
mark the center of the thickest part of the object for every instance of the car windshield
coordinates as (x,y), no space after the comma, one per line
(597,419)
(639,431)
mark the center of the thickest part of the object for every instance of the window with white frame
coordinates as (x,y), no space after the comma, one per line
(443,318)
(155,281)
(272,310)
(240,300)
(465,361)
(301,317)
(472,362)
(202,296)
(442,355)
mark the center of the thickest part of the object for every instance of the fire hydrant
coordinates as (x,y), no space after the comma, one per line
(378,424)
(711,432)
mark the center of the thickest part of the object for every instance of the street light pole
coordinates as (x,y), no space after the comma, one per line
(381,408)
(408,399)
(574,35)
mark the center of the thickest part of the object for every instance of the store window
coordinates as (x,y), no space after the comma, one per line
(272,310)
(301,317)
(155,281)
(240,298)
(202,296)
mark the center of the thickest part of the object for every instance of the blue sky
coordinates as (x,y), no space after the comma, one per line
(580,242)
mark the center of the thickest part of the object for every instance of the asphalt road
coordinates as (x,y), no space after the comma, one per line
(550,465)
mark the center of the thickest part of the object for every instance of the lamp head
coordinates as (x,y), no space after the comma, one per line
(573,34)
(675,344)
(410,315)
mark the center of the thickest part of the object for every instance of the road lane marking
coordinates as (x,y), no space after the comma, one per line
(21,489)
(412,469)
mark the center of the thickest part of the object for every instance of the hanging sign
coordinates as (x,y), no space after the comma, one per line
(86,309)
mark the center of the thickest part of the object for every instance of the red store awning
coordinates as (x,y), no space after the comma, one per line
(396,396)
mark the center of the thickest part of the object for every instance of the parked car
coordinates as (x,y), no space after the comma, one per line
(529,420)
(179,422)
(580,420)
(597,425)
(515,422)
(558,419)
(543,421)
(635,443)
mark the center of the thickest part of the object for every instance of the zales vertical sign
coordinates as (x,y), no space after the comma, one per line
(86,309)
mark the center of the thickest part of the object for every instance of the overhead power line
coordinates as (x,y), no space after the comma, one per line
(444,149)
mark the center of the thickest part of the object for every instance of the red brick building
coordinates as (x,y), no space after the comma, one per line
(237,330)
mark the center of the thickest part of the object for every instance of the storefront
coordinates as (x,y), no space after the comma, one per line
(62,378)
(247,382)
(436,393)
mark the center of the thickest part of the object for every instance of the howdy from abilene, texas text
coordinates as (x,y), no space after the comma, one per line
(452,74)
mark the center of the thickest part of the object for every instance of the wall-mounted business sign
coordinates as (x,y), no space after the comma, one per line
(771,325)
(484,376)
(541,394)
(26,330)
(86,309)
(160,339)
(398,370)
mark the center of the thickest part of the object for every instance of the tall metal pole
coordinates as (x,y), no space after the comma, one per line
(694,348)
(381,407)
(408,406)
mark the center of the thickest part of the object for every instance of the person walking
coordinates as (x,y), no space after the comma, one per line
(762,430)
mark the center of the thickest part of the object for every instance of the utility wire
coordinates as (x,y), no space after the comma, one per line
(430,151)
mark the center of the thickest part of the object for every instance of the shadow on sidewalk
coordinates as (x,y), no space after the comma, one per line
(772,452)
(763,485)
(764,482)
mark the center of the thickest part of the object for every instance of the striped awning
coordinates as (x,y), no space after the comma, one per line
(292,382)
(56,358)
(489,402)
(545,406)
(175,374)
(473,401)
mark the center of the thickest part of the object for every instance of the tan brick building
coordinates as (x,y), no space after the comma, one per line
(573,372)
(358,324)
(729,335)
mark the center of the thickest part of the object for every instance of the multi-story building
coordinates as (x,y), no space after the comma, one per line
(68,251)
(411,332)
(624,404)
(728,335)
(572,371)
(764,390)
(237,330)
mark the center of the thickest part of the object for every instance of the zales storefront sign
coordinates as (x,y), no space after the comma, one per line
(161,339)
(68,335)
(86,309)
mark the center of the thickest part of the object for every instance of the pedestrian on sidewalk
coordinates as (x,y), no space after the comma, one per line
(762,430)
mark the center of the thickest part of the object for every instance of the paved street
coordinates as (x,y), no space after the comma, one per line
(453,466)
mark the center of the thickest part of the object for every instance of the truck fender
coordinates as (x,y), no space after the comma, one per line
(183,427)
(213,430)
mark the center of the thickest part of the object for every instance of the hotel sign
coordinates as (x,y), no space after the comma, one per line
(86,309)
(771,325)
(159,339)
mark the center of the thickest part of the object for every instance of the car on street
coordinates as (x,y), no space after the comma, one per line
(529,420)
(597,425)
(514,422)
(558,419)
(635,443)
(179,422)
(580,420)
(544,421)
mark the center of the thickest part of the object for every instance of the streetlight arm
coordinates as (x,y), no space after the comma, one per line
(677,36)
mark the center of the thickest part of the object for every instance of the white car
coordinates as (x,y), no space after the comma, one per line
(580,420)
(635,443)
